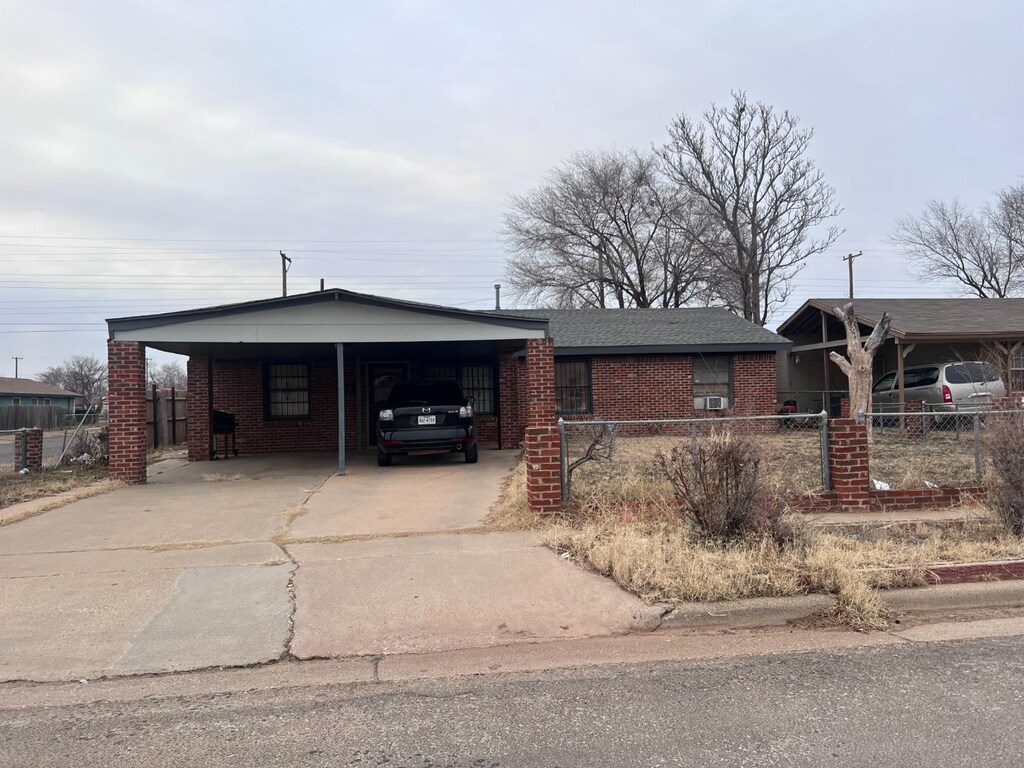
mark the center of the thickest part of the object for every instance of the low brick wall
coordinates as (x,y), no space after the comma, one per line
(28,450)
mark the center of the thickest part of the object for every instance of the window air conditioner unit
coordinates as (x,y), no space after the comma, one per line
(715,403)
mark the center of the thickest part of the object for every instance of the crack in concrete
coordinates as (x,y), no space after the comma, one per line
(286,651)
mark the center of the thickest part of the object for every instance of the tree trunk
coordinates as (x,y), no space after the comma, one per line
(858,363)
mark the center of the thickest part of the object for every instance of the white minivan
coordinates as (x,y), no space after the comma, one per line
(961,386)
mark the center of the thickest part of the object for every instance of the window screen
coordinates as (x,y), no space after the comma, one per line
(712,375)
(573,386)
(288,391)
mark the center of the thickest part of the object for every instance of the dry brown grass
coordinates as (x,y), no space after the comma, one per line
(511,512)
(667,561)
(15,489)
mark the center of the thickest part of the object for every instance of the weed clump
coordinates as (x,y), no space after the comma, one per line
(720,488)
(1006,494)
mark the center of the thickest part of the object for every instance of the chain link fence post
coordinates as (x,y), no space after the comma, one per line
(563,461)
(826,471)
(977,448)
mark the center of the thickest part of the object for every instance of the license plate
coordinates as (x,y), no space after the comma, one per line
(424,421)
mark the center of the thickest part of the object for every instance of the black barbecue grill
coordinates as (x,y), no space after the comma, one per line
(224,424)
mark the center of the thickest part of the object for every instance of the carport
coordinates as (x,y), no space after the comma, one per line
(304,372)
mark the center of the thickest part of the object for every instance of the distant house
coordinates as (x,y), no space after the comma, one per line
(922,331)
(29,392)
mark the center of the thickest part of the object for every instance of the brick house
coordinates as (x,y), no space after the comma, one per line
(307,372)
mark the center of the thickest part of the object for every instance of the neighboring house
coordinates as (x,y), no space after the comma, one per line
(922,331)
(276,364)
(29,392)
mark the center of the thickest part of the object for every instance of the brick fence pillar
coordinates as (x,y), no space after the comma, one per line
(848,462)
(914,425)
(197,409)
(543,478)
(844,408)
(28,450)
(126,408)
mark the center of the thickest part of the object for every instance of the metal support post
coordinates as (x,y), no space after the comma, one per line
(563,461)
(826,471)
(977,449)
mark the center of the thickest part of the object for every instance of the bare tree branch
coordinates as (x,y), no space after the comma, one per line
(983,250)
(606,230)
(749,168)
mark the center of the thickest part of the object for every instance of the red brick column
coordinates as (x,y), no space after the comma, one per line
(543,478)
(126,404)
(844,408)
(848,462)
(914,425)
(197,409)
(510,404)
(28,443)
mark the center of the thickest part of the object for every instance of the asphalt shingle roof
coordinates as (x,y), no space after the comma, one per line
(938,317)
(9,386)
(688,329)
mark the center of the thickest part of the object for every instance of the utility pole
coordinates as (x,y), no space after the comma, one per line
(849,259)
(16,359)
(285,263)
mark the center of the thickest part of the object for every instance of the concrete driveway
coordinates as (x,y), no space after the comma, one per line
(256,558)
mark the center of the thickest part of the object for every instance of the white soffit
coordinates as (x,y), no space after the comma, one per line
(329,322)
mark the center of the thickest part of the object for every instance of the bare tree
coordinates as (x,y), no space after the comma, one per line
(749,168)
(605,230)
(83,374)
(982,250)
(857,365)
(170,374)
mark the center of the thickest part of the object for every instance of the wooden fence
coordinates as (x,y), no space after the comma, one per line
(166,422)
(29,416)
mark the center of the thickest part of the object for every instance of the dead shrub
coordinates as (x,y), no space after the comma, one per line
(1005,439)
(720,487)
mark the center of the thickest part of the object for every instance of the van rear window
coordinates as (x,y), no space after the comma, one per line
(971,373)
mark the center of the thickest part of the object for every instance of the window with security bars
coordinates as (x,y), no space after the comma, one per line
(287,391)
(477,382)
(573,386)
(712,375)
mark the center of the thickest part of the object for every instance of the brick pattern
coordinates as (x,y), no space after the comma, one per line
(543,477)
(238,388)
(754,385)
(28,449)
(913,426)
(538,389)
(541,454)
(126,409)
(197,409)
(848,462)
(511,372)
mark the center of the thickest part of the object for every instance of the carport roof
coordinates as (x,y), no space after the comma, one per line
(923,319)
(319,319)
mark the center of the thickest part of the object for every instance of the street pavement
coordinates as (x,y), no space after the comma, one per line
(249,560)
(950,703)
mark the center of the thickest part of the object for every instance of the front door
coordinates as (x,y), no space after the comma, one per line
(380,378)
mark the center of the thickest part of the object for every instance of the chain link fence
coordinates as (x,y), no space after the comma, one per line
(80,441)
(932,447)
(619,462)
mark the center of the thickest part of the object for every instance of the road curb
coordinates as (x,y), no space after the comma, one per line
(776,611)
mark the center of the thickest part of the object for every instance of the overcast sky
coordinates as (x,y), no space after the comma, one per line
(157,155)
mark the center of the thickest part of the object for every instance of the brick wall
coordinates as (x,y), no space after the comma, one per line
(238,387)
(645,387)
(848,462)
(126,409)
